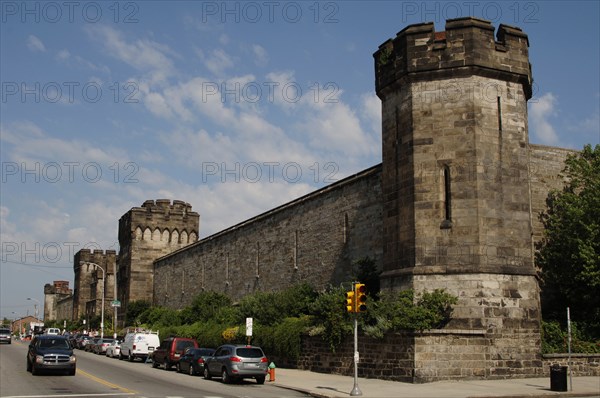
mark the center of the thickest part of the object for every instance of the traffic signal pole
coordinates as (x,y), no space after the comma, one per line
(355,391)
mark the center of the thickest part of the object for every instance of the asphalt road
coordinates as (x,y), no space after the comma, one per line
(99,376)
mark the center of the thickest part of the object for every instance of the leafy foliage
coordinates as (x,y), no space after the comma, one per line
(401,311)
(329,312)
(134,309)
(281,318)
(569,253)
(555,340)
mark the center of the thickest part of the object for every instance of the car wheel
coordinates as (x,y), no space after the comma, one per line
(167,364)
(72,372)
(155,364)
(28,366)
(207,375)
(260,380)
(178,368)
(34,370)
(130,357)
(120,356)
(225,376)
(191,371)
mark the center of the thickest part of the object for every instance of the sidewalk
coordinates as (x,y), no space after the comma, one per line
(327,386)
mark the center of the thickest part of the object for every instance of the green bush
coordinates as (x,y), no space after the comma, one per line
(280,319)
(555,340)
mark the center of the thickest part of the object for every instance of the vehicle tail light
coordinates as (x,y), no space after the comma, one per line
(200,361)
(235,359)
(264,359)
(133,347)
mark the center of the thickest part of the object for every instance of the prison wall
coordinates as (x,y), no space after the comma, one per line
(314,239)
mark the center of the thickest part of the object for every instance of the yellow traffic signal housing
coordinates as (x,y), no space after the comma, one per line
(360,294)
(350,302)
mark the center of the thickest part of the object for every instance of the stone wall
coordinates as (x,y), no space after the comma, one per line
(581,364)
(546,164)
(314,239)
(434,355)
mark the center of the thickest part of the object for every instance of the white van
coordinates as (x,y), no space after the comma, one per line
(53,331)
(139,345)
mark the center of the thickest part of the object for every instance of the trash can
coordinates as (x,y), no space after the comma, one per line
(558,378)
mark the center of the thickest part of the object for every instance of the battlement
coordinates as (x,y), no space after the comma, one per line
(466,47)
(104,258)
(165,205)
(160,214)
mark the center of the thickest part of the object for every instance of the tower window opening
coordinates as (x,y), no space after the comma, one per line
(447,223)
(499,114)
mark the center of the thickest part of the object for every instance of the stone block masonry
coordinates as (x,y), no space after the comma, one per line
(145,234)
(454,205)
(314,239)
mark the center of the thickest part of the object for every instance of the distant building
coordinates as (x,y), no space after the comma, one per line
(56,293)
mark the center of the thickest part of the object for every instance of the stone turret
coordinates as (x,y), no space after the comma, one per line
(53,293)
(457,203)
(145,234)
(89,281)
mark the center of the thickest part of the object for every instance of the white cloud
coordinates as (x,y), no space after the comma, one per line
(261,58)
(35,44)
(218,61)
(142,54)
(541,112)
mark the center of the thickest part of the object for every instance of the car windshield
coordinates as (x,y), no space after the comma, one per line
(54,343)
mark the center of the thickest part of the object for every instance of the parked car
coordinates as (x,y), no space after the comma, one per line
(113,349)
(55,331)
(101,345)
(91,344)
(139,345)
(170,351)
(50,352)
(193,359)
(82,341)
(235,362)
(5,336)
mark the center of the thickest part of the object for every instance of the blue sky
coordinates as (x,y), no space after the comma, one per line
(233,107)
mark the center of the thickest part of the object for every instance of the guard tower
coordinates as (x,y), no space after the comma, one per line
(457,203)
(145,234)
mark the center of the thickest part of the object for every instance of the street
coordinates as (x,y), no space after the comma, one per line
(99,376)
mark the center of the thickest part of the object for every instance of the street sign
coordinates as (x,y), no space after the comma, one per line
(115,303)
(248,327)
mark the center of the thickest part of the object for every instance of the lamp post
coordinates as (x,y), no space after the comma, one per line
(103,282)
(35,307)
(20,326)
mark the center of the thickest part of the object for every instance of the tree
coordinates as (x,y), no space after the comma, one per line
(569,252)
(134,309)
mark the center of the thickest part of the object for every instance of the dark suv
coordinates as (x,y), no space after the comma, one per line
(5,336)
(235,362)
(50,352)
(171,350)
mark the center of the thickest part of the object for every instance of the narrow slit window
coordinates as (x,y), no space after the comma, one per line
(499,115)
(447,195)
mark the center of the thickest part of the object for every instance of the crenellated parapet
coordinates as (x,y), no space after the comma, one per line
(160,220)
(467,47)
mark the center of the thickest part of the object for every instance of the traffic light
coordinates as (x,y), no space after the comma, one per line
(360,294)
(350,302)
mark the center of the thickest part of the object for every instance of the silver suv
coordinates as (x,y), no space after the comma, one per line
(236,362)
(5,336)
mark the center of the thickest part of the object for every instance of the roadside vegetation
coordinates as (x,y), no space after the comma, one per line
(569,257)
